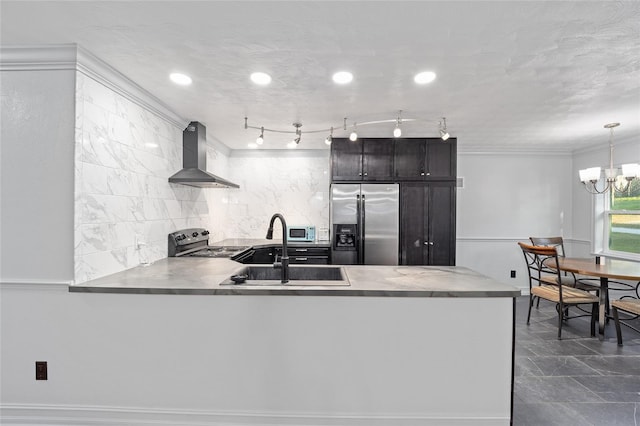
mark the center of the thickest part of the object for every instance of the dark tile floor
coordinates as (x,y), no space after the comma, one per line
(579,380)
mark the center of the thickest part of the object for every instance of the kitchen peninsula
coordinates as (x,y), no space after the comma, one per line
(398,345)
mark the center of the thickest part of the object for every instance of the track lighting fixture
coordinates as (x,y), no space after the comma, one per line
(353,134)
(260,139)
(444,135)
(397,132)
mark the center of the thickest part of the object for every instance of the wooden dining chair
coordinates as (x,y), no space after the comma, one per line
(567,278)
(537,259)
(627,305)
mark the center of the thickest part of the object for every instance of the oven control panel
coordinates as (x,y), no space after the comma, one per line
(189,236)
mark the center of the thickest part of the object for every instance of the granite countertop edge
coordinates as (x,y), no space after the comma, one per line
(202,276)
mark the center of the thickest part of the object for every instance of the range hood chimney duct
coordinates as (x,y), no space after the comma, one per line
(194,161)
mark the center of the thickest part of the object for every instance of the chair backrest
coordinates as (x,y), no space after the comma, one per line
(536,258)
(556,242)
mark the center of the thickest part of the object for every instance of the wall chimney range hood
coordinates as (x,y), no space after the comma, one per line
(194,161)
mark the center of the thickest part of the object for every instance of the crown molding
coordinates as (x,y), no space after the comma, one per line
(76,58)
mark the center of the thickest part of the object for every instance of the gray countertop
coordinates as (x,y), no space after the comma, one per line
(194,275)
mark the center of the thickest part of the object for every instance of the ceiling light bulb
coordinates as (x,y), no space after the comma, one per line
(261,78)
(353,136)
(342,77)
(424,77)
(397,132)
(181,79)
(444,135)
(328,140)
(292,145)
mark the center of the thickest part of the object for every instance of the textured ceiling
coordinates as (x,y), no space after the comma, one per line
(511,75)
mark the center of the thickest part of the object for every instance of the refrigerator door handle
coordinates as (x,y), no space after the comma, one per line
(363,213)
(358,231)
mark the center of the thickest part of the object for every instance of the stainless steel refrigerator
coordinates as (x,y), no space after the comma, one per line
(364,223)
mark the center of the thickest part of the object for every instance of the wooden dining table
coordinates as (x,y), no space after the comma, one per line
(606,269)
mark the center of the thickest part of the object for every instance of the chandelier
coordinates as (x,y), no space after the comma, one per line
(353,135)
(590,177)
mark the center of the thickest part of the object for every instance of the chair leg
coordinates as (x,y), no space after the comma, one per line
(530,305)
(616,319)
(560,320)
(594,310)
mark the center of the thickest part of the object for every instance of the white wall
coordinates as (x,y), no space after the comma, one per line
(506,198)
(36,172)
(252,360)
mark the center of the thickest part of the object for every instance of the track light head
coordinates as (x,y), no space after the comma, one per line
(397,132)
(260,139)
(329,138)
(444,135)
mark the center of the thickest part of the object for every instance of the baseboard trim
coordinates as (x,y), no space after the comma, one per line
(59,415)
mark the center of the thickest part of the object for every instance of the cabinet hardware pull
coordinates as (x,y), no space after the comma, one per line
(302,249)
(301,259)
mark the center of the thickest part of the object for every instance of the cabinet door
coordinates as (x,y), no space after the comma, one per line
(346,159)
(409,155)
(412,224)
(377,159)
(427,230)
(441,158)
(441,232)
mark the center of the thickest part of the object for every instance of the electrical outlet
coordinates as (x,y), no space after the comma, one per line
(513,273)
(41,370)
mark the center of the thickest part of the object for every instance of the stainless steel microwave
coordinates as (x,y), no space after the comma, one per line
(304,233)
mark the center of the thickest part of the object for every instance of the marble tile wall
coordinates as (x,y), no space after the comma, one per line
(124,205)
(294,183)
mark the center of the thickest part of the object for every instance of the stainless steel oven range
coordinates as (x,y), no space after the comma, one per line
(194,242)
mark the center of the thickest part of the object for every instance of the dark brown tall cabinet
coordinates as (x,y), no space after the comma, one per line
(425,169)
(427,228)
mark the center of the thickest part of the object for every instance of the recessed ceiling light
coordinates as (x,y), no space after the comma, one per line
(425,77)
(181,79)
(342,77)
(261,78)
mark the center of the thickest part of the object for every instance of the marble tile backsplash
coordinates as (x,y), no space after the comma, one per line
(294,183)
(124,205)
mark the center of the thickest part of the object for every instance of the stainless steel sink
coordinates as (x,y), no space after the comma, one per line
(298,275)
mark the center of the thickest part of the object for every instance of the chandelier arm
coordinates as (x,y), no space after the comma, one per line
(594,190)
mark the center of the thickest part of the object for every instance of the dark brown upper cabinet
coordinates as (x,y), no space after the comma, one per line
(417,159)
(365,159)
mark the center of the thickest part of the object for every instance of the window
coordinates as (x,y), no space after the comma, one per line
(622,221)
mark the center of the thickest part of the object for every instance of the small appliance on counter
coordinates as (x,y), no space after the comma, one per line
(194,242)
(301,233)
